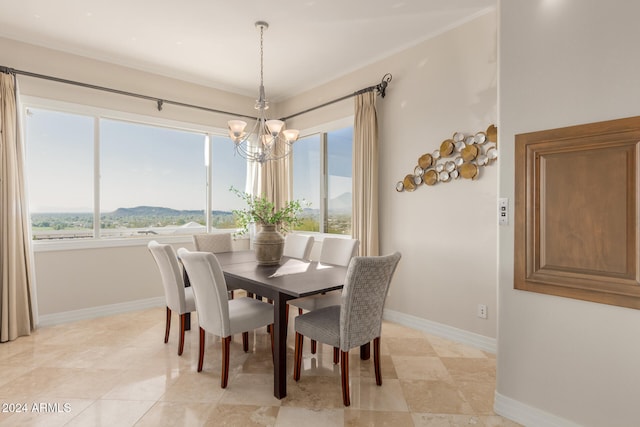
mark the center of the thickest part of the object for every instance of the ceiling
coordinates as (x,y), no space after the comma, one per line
(215,42)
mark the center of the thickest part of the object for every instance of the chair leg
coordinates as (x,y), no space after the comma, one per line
(167,326)
(201,350)
(232,295)
(245,341)
(336,355)
(183,320)
(224,375)
(314,346)
(297,355)
(344,373)
(376,360)
(299,311)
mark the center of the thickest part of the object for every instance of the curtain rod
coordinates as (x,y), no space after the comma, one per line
(380,87)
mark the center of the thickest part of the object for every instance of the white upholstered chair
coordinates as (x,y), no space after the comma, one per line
(178,298)
(356,321)
(297,246)
(335,251)
(213,242)
(217,314)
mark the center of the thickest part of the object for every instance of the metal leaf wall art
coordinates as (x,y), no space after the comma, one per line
(462,156)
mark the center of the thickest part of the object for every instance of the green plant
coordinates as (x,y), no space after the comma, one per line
(259,210)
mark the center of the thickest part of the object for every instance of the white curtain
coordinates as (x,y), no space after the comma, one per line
(275,181)
(365,174)
(16,316)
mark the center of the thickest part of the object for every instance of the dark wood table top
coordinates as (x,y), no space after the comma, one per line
(293,277)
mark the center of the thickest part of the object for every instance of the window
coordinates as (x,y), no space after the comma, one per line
(153,179)
(129,178)
(339,154)
(59,152)
(322,176)
(228,169)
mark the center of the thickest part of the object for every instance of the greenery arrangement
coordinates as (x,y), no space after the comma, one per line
(261,211)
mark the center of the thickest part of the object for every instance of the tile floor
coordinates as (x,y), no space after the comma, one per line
(116,371)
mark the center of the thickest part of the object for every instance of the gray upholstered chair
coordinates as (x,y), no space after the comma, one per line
(213,242)
(178,298)
(297,246)
(335,251)
(356,321)
(217,314)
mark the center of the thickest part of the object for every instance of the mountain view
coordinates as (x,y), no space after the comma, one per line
(146,220)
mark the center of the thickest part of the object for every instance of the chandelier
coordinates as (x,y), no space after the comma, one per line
(268,139)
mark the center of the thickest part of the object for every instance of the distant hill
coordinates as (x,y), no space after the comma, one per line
(341,203)
(159,211)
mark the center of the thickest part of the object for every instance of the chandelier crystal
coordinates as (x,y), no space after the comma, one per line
(268,139)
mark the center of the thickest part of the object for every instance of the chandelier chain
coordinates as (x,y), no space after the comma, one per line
(261,56)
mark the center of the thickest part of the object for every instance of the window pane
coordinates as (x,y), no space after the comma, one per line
(339,154)
(153,180)
(59,158)
(306,180)
(227,169)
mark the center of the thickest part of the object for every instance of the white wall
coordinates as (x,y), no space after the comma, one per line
(563,361)
(447,233)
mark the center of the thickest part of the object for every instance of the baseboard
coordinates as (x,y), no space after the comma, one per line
(527,415)
(449,332)
(100,311)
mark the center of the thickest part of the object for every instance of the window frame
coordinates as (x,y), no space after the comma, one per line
(323,130)
(99,113)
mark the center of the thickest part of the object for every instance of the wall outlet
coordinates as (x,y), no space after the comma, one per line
(482,311)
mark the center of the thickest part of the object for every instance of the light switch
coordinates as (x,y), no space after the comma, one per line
(503,211)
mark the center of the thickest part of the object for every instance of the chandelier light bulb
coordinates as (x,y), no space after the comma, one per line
(274,126)
(267,139)
(291,135)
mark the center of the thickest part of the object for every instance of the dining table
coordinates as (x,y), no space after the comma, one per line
(291,278)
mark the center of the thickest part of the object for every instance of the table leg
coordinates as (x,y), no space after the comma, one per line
(280,347)
(365,351)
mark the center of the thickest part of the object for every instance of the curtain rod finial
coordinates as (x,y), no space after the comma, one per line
(382,86)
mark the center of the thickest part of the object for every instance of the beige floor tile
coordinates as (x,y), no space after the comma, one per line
(314,392)
(250,389)
(436,397)
(141,385)
(111,413)
(366,394)
(364,418)
(194,387)
(84,383)
(423,368)
(296,417)
(242,416)
(172,414)
(409,346)
(445,420)
(471,369)
(117,370)
(34,383)
(446,348)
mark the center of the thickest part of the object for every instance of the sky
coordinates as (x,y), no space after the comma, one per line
(143,165)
